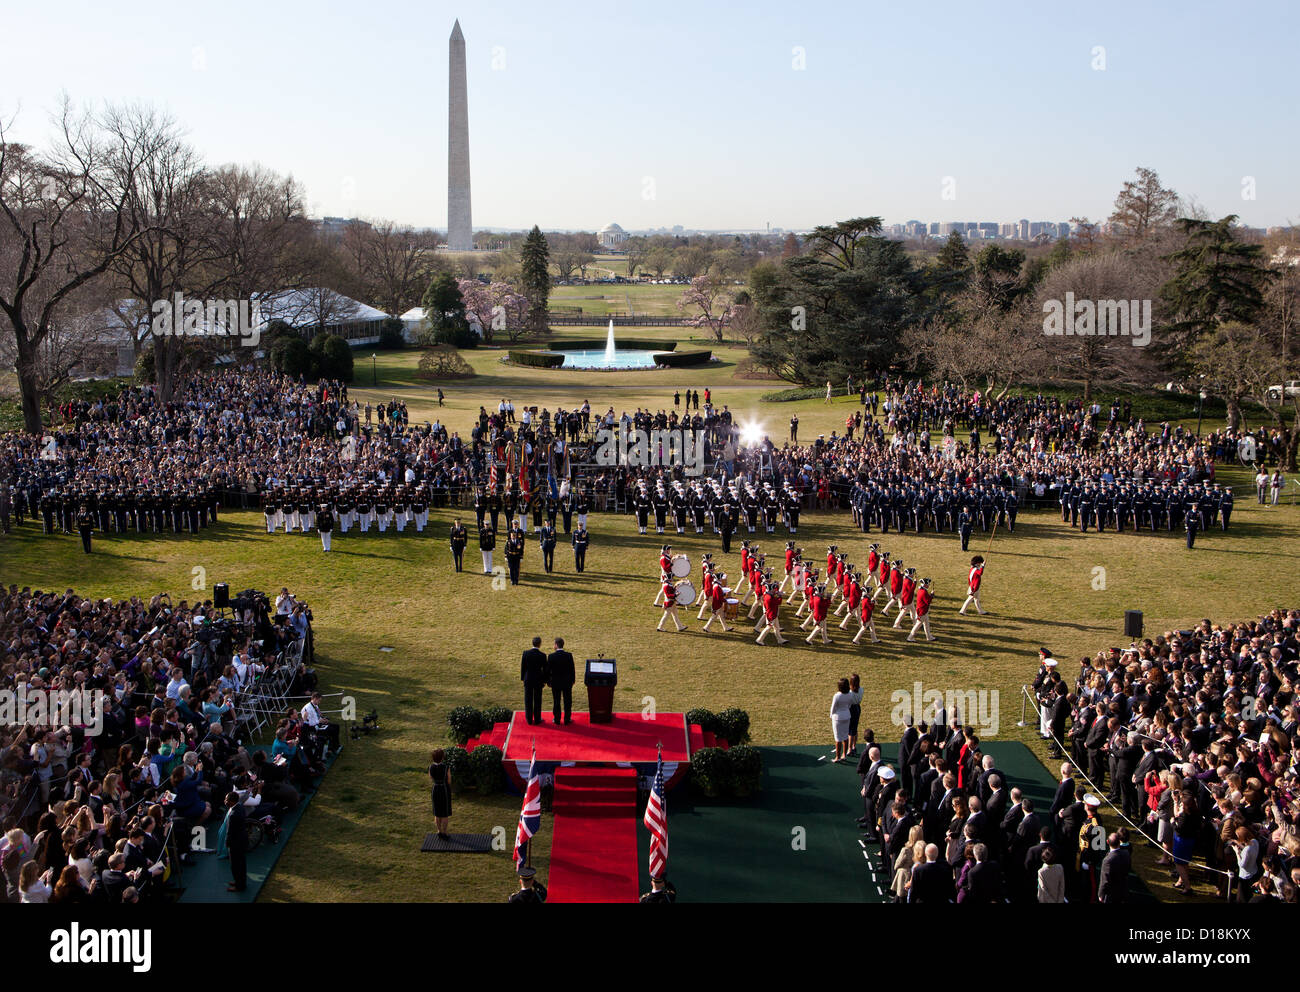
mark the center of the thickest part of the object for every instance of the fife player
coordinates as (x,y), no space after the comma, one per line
(771,615)
(922,611)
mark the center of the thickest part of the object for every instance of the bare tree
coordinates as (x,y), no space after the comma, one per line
(64,220)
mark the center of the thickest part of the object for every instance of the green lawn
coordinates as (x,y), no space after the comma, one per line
(457,640)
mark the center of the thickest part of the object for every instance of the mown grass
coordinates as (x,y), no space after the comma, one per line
(456,640)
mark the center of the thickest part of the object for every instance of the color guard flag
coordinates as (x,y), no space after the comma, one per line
(656,821)
(530,816)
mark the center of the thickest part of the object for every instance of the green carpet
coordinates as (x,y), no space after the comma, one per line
(206,879)
(797,840)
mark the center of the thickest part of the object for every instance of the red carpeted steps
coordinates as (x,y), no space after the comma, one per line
(593,844)
(495,736)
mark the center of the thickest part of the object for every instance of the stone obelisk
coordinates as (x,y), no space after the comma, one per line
(460,232)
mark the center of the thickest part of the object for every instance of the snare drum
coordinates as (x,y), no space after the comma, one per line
(733,610)
(685,593)
(681,566)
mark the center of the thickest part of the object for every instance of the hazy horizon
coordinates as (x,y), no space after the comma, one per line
(702,118)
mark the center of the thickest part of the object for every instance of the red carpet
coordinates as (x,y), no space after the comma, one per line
(593,844)
(630,737)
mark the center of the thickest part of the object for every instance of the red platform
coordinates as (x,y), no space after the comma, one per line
(630,738)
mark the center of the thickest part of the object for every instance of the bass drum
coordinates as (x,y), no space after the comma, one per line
(685,593)
(681,566)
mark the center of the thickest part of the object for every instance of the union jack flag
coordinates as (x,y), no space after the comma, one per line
(530,816)
(656,821)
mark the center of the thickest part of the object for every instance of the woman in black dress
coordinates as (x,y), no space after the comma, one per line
(440,783)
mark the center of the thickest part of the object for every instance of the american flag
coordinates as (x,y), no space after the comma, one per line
(656,821)
(530,817)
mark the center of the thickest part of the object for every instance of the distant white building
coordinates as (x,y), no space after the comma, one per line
(611,236)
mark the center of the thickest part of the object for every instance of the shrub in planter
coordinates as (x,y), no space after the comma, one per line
(706,719)
(746,770)
(496,714)
(711,771)
(733,726)
(457,761)
(485,769)
(464,722)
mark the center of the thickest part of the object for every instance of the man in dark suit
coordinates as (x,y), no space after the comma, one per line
(1114,871)
(237,842)
(984,880)
(995,810)
(1064,795)
(532,672)
(932,881)
(559,668)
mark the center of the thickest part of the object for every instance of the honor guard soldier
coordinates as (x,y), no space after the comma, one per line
(530,890)
(459,538)
(581,506)
(487,542)
(728,526)
(566,510)
(973,580)
(514,551)
(546,541)
(420,509)
(922,611)
(964,526)
(660,503)
(669,592)
(580,541)
(325,524)
(1192,521)
(85,526)
(364,505)
(641,504)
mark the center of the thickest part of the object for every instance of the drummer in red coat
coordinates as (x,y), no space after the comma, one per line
(716,598)
(669,593)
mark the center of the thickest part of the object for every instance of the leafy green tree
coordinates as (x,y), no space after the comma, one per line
(838,308)
(1216,278)
(535,277)
(444,306)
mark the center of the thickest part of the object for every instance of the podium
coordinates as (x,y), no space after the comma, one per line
(600,678)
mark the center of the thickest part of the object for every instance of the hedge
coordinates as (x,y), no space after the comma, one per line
(588,344)
(536,359)
(736,773)
(681,359)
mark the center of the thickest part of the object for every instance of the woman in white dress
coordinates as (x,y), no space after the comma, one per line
(841,703)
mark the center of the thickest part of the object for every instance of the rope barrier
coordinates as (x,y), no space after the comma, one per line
(1100,794)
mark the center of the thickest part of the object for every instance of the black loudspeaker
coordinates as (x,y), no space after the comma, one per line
(1132,623)
(221,598)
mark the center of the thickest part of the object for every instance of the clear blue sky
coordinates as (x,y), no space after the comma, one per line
(702,98)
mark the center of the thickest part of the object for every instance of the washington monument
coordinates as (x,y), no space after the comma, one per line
(460,232)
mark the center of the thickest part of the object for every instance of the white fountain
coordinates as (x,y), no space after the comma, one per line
(609,345)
